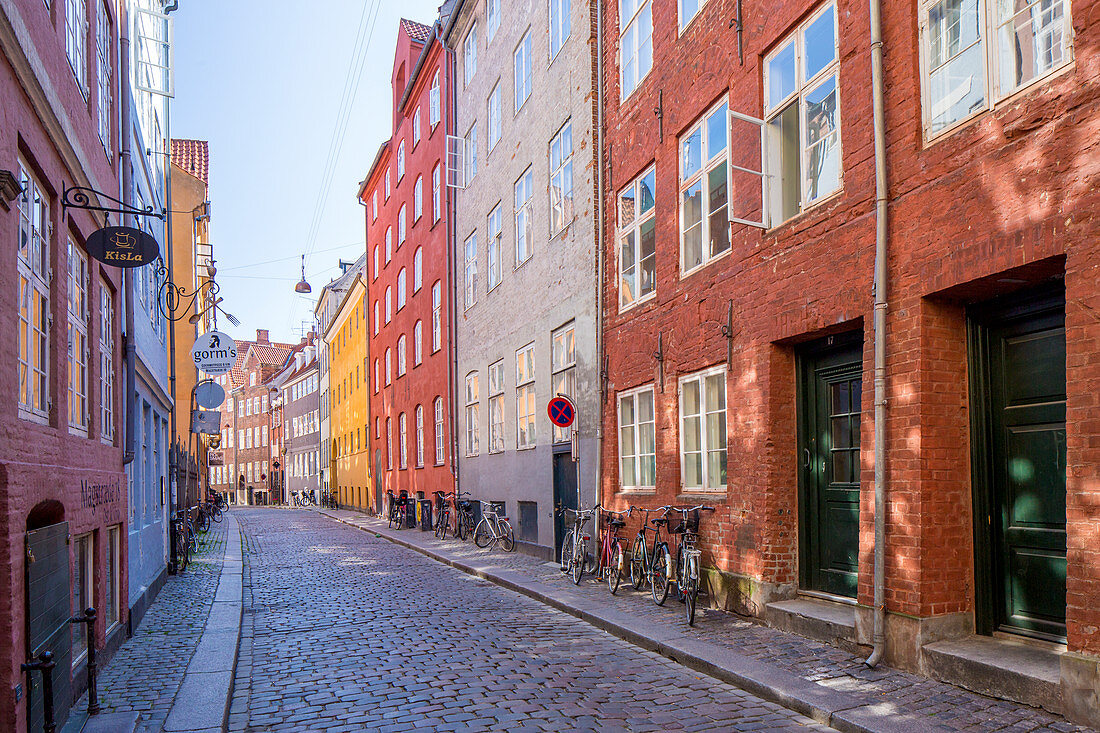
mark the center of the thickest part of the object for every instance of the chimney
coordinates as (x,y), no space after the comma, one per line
(262,335)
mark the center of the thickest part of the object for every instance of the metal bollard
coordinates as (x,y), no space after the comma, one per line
(45,665)
(88,617)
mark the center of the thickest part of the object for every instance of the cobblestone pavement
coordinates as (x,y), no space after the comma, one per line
(146,671)
(944,705)
(344,631)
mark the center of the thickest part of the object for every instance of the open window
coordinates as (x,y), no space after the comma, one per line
(456,162)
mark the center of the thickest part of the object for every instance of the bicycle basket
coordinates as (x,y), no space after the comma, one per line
(689,523)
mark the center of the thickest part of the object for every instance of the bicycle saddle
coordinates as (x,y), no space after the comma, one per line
(617,523)
(659,521)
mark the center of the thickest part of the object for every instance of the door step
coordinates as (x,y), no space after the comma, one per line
(1010,670)
(827,621)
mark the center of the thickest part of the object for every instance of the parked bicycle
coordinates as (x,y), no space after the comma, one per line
(687,558)
(184,539)
(575,558)
(493,529)
(464,518)
(396,514)
(442,514)
(612,558)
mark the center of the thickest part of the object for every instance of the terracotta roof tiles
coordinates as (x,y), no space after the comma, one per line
(192,156)
(416,31)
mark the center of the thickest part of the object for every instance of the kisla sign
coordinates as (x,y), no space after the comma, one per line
(122,247)
(214,353)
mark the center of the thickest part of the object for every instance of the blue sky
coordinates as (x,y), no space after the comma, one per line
(263,83)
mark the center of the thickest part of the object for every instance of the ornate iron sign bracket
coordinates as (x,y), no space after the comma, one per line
(175,301)
(78,197)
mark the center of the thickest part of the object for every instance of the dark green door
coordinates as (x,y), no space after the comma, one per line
(829,421)
(1023,479)
(565,494)
(48,612)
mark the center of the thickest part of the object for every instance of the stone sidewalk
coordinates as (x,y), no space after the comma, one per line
(146,673)
(823,682)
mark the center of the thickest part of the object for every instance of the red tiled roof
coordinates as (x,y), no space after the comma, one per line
(192,156)
(416,31)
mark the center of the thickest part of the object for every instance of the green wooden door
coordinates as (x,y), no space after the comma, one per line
(48,611)
(829,422)
(1024,350)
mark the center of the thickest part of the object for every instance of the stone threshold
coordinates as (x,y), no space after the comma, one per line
(816,618)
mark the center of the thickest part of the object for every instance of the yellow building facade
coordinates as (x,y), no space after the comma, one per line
(349,397)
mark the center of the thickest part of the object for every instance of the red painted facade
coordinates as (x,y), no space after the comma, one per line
(1001,204)
(423,388)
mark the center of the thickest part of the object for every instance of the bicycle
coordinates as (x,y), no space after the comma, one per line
(185,539)
(443,515)
(687,559)
(396,514)
(640,553)
(493,529)
(575,558)
(611,549)
(657,566)
(464,518)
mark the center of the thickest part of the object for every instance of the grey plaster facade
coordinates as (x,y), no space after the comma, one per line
(552,288)
(301,423)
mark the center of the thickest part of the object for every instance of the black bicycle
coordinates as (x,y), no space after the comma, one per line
(687,558)
(464,518)
(443,514)
(396,513)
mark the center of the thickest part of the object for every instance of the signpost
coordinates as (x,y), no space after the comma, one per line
(122,247)
(214,353)
(561,411)
(209,394)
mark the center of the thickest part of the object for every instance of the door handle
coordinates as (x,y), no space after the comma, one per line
(805,457)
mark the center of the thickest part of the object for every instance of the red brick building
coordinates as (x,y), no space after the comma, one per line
(408,276)
(741,356)
(63,488)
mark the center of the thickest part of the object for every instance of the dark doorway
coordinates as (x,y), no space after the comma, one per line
(1018,393)
(565,493)
(48,611)
(831,389)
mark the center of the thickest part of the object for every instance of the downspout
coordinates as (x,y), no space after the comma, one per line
(879,637)
(599,251)
(130,348)
(452,326)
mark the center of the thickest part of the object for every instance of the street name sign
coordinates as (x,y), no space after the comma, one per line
(214,353)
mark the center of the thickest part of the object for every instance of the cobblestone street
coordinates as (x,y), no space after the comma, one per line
(347,632)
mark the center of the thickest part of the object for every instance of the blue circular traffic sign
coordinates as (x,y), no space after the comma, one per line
(561,411)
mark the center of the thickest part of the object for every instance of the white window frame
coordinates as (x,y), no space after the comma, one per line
(524,193)
(469,55)
(433,102)
(683,17)
(492,110)
(436,202)
(496,407)
(400,160)
(469,155)
(704,448)
(389,244)
(418,343)
(635,450)
(559,25)
(401,279)
(521,60)
(473,414)
(526,425)
(492,19)
(386,183)
(79,352)
(563,371)
(702,178)
(420,436)
(437,306)
(83,587)
(388,359)
(107,364)
(634,229)
(402,228)
(403,438)
(377,261)
(401,354)
(389,303)
(418,269)
(418,198)
(389,443)
(76,42)
(376,318)
(561,178)
(35,276)
(416,127)
(104,89)
(495,226)
(456,162)
(469,272)
(440,434)
(626,25)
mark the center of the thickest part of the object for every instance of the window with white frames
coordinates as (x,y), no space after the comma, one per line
(33,266)
(418,268)
(525,397)
(559,25)
(400,160)
(387,184)
(688,9)
(522,71)
(492,18)
(401,353)
(496,407)
(440,437)
(416,126)
(76,41)
(704,190)
(418,198)
(469,55)
(494,116)
(495,238)
(420,436)
(469,269)
(389,303)
(561,178)
(78,339)
(418,343)
(83,568)
(389,442)
(401,229)
(389,366)
(635,43)
(524,229)
(374,205)
(437,305)
(1026,41)
(563,366)
(389,244)
(403,438)
(637,241)
(436,202)
(377,382)
(107,364)
(473,416)
(401,289)
(433,101)
(703,430)
(469,154)
(103,76)
(376,326)
(377,261)
(637,440)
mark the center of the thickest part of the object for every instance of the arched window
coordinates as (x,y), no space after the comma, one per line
(401,289)
(389,366)
(439,436)
(418,339)
(389,303)
(419,436)
(401,225)
(377,262)
(418,268)
(403,428)
(418,198)
(389,243)
(400,160)
(401,355)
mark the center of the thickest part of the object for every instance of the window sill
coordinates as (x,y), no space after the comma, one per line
(25,414)
(809,209)
(701,494)
(637,490)
(525,447)
(638,303)
(684,274)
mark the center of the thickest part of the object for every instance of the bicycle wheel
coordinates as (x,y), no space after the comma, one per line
(615,569)
(689,588)
(462,531)
(216,512)
(441,525)
(203,522)
(681,572)
(567,552)
(507,536)
(658,574)
(483,534)
(580,551)
(181,548)
(638,564)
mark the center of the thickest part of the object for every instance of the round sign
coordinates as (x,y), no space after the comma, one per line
(561,411)
(214,353)
(209,395)
(122,247)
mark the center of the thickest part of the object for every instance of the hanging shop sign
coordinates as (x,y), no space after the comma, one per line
(122,247)
(214,353)
(215,458)
(206,422)
(209,395)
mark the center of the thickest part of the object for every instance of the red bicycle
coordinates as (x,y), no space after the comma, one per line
(612,560)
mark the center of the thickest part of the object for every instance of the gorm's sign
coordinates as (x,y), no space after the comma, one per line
(122,247)
(214,353)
